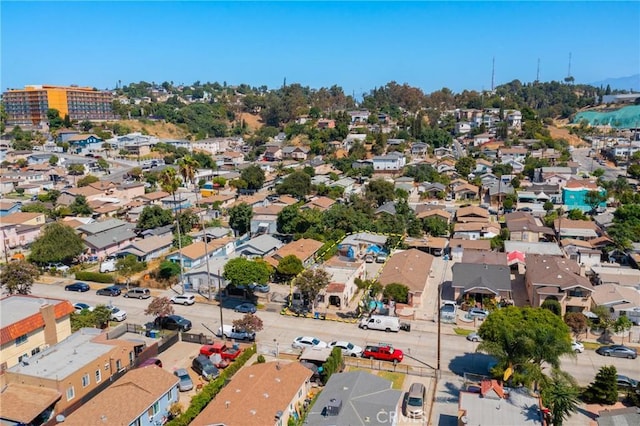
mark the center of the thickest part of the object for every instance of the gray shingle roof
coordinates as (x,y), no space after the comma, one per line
(97,227)
(113,236)
(470,276)
(260,245)
(363,396)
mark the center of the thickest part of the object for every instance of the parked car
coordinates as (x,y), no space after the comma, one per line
(138,293)
(226,352)
(302,342)
(78,286)
(58,267)
(577,347)
(383,352)
(117,314)
(369,258)
(415,401)
(381,258)
(627,384)
(183,299)
(173,322)
(619,351)
(79,307)
(474,337)
(477,313)
(109,291)
(204,367)
(185,383)
(231,332)
(260,288)
(246,308)
(348,348)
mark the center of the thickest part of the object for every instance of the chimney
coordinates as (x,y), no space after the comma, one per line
(49,317)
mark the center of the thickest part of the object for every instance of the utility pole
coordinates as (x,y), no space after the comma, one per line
(538,72)
(493,73)
(224,339)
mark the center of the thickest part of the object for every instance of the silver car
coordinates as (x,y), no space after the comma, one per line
(348,349)
(185,383)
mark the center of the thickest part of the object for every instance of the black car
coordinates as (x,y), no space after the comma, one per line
(627,384)
(173,322)
(109,291)
(77,286)
(204,367)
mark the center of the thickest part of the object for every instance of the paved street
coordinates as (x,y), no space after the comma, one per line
(590,164)
(458,355)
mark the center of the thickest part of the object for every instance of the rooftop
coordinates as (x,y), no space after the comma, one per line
(20,314)
(23,403)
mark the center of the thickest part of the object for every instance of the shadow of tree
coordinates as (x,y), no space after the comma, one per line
(471,362)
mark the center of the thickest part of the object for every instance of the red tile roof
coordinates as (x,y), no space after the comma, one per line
(33,322)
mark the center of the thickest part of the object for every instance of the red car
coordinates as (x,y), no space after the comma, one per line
(383,353)
(228,353)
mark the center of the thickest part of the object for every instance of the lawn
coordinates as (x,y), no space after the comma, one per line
(462,331)
(397,379)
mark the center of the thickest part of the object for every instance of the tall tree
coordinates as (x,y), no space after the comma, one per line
(154,217)
(80,206)
(604,389)
(379,191)
(311,282)
(188,166)
(297,184)
(242,272)
(240,218)
(560,394)
(159,307)
(18,277)
(254,176)
(170,182)
(290,266)
(57,243)
(249,323)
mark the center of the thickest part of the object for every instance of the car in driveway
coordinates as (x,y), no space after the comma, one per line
(77,286)
(205,368)
(173,322)
(474,337)
(619,351)
(348,348)
(627,384)
(79,307)
(117,314)
(109,291)
(57,267)
(302,342)
(184,380)
(477,313)
(260,288)
(183,299)
(246,308)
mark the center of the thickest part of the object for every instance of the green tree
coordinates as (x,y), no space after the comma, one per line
(154,217)
(289,266)
(561,395)
(379,191)
(525,338)
(103,164)
(604,389)
(594,198)
(311,282)
(168,269)
(56,243)
(86,125)
(297,184)
(622,325)
(97,318)
(598,173)
(465,166)
(242,272)
(548,206)
(435,226)
(80,207)
(159,307)
(53,160)
(288,218)
(128,266)
(55,122)
(187,167)
(87,180)
(254,176)
(18,277)
(240,218)
(397,292)
(75,169)
(553,305)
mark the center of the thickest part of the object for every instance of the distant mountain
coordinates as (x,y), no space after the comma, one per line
(621,83)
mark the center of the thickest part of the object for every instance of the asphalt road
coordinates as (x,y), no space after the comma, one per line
(458,355)
(590,164)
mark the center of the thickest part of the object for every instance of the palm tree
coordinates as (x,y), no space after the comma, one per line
(187,167)
(170,182)
(560,395)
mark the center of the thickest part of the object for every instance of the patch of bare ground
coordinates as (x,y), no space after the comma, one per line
(563,133)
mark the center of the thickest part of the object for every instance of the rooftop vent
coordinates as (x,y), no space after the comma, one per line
(333,407)
(266,395)
(278,414)
(253,412)
(227,404)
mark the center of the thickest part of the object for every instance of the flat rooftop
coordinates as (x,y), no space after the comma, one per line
(65,358)
(15,308)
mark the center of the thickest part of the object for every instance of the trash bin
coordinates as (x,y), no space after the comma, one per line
(405,326)
(316,315)
(153,334)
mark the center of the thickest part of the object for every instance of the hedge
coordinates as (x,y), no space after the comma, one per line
(95,277)
(211,389)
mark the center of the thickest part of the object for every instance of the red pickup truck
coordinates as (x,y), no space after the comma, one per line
(225,351)
(383,353)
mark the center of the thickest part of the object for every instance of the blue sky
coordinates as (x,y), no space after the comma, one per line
(358,45)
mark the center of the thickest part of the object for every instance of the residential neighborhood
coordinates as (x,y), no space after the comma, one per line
(227,254)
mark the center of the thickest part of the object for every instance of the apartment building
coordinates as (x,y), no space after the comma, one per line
(29,106)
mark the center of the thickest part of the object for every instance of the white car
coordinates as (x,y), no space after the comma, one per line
(302,342)
(577,347)
(58,267)
(348,348)
(117,314)
(474,337)
(183,299)
(79,307)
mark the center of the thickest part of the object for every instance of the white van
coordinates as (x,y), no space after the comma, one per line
(109,265)
(380,322)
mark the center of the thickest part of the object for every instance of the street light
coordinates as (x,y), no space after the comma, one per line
(277,347)
(224,338)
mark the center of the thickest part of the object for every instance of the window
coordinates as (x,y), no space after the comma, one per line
(153,409)
(35,351)
(21,339)
(71,393)
(85,380)
(98,376)
(170,394)
(118,364)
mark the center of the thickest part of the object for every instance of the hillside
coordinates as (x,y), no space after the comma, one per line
(563,133)
(155,128)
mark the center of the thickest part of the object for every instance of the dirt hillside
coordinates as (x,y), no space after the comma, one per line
(253,121)
(156,128)
(563,133)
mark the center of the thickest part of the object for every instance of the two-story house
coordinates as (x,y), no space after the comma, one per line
(394,161)
(574,194)
(557,278)
(525,227)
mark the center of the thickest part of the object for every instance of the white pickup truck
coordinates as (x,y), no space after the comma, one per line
(230,332)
